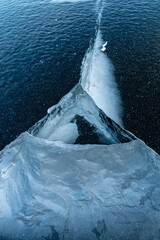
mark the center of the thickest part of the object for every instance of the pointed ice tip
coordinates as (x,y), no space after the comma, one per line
(75,91)
(77,119)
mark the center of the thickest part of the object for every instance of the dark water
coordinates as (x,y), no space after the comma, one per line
(42,45)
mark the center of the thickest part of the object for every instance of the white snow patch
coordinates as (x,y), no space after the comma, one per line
(98,80)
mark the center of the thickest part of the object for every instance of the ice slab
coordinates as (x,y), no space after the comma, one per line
(54,190)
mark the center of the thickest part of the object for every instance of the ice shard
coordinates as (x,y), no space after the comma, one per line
(77,119)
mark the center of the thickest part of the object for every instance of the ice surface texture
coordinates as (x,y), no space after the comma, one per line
(51,189)
(65,191)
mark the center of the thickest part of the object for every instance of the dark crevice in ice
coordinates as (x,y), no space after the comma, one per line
(88,134)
